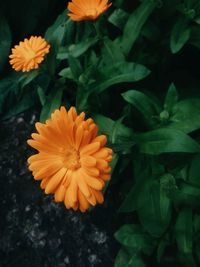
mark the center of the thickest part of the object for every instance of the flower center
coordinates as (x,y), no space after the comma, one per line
(71,159)
(29,54)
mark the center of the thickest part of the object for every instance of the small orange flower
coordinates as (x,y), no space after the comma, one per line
(87,9)
(29,54)
(73,162)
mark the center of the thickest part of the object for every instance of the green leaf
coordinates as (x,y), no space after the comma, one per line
(53,101)
(136,261)
(163,243)
(166,140)
(119,73)
(127,258)
(82,99)
(130,203)
(197,224)
(123,257)
(66,73)
(5,41)
(154,213)
(25,102)
(105,124)
(197,20)
(120,136)
(185,194)
(171,98)
(186,115)
(183,234)
(55,36)
(111,53)
(28,78)
(143,103)
(131,235)
(194,170)
(165,205)
(75,67)
(180,35)
(168,185)
(41,95)
(190,190)
(118,18)
(9,89)
(55,32)
(76,50)
(135,23)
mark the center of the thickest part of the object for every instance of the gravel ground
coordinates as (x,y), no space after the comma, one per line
(35,231)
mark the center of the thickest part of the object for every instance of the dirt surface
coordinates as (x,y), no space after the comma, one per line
(36,231)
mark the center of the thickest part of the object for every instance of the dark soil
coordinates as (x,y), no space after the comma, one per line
(34,230)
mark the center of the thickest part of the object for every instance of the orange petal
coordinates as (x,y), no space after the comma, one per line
(72,114)
(102,139)
(82,184)
(92,171)
(44,182)
(92,181)
(90,149)
(99,196)
(55,181)
(60,193)
(105,177)
(72,189)
(88,161)
(102,164)
(47,170)
(91,199)
(102,153)
(84,204)
(79,137)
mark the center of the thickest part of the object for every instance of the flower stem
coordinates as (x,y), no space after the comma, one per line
(98,32)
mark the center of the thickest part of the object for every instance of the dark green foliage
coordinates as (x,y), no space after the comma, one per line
(133,71)
(5,37)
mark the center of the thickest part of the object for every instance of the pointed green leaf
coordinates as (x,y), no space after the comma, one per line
(119,73)
(76,50)
(135,23)
(53,101)
(183,234)
(143,103)
(171,98)
(186,115)
(118,18)
(166,141)
(180,35)
(153,219)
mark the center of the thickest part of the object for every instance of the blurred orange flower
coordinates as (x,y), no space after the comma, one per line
(29,54)
(87,9)
(73,162)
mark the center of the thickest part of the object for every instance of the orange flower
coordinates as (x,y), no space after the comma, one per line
(29,54)
(73,162)
(87,9)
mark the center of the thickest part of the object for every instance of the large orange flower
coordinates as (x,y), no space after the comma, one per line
(87,9)
(29,54)
(73,162)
